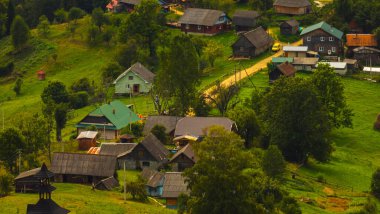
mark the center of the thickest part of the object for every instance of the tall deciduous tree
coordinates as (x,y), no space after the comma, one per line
(178,75)
(43,27)
(98,18)
(60,116)
(55,91)
(19,33)
(75,14)
(331,91)
(296,120)
(3,18)
(11,143)
(10,15)
(223,97)
(213,51)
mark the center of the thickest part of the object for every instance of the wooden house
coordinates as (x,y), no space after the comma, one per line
(292,7)
(29,181)
(283,69)
(86,140)
(289,27)
(115,149)
(323,38)
(154,182)
(204,21)
(367,56)
(169,122)
(150,153)
(136,79)
(252,43)
(339,67)
(109,119)
(245,20)
(305,63)
(82,168)
(361,40)
(295,51)
(107,184)
(183,159)
(174,185)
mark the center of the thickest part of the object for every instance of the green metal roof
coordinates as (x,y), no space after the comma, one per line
(325,27)
(282,59)
(117,113)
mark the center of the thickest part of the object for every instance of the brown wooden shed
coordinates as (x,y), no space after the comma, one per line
(289,27)
(86,140)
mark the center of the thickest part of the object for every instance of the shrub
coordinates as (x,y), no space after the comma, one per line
(79,100)
(273,162)
(137,190)
(160,132)
(6,181)
(290,206)
(6,69)
(83,85)
(377,123)
(375,183)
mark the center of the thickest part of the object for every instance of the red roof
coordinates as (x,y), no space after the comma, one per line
(41,72)
(361,40)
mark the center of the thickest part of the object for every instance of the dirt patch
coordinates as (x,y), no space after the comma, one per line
(334,204)
(328,191)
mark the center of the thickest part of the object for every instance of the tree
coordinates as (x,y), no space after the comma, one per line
(75,14)
(43,27)
(296,120)
(6,183)
(222,97)
(109,73)
(375,183)
(201,107)
(83,84)
(55,91)
(10,16)
(160,133)
(273,162)
(93,35)
(19,33)
(78,99)
(17,86)
(137,189)
(108,34)
(60,15)
(3,18)
(11,143)
(261,5)
(247,124)
(60,116)
(98,18)
(129,53)
(213,51)
(331,92)
(178,75)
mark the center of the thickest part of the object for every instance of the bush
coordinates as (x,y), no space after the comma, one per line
(160,132)
(83,85)
(6,181)
(273,162)
(137,190)
(377,123)
(7,69)
(290,206)
(375,183)
(78,100)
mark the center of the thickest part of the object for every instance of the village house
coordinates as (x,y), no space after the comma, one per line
(305,63)
(86,140)
(339,67)
(283,69)
(107,184)
(204,21)
(136,79)
(367,56)
(154,181)
(252,43)
(169,122)
(29,181)
(323,38)
(150,153)
(295,51)
(115,149)
(82,168)
(280,60)
(109,119)
(361,40)
(245,20)
(292,7)
(174,185)
(289,27)
(183,159)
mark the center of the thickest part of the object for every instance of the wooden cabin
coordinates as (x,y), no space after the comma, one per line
(245,20)
(289,27)
(283,69)
(154,182)
(367,56)
(183,159)
(252,43)
(204,21)
(305,63)
(295,51)
(86,140)
(292,7)
(29,181)
(107,184)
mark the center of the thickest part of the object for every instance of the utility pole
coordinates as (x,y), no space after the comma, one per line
(19,161)
(125,183)
(3,117)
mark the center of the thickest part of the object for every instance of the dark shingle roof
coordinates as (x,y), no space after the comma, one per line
(83,164)
(45,206)
(140,70)
(37,173)
(174,185)
(195,126)
(292,22)
(132,2)
(109,183)
(286,68)
(245,17)
(258,37)
(115,149)
(153,178)
(198,16)
(155,147)
(187,151)
(169,122)
(292,3)
(362,49)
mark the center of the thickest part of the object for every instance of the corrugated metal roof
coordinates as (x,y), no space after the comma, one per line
(295,48)
(336,65)
(174,185)
(357,40)
(282,59)
(169,122)
(371,69)
(325,27)
(199,16)
(292,3)
(305,60)
(115,149)
(195,126)
(87,134)
(187,151)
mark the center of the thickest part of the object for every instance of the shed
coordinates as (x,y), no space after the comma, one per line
(127,138)
(136,79)
(245,20)
(289,27)
(292,7)
(352,64)
(116,149)
(252,43)
(86,140)
(371,70)
(339,67)
(367,56)
(107,183)
(283,69)
(41,75)
(361,40)
(295,51)
(29,181)
(169,122)
(82,168)
(183,159)
(154,181)
(305,63)
(174,185)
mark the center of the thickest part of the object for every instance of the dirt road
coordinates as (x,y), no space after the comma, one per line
(249,71)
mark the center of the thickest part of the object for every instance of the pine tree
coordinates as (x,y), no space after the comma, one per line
(19,33)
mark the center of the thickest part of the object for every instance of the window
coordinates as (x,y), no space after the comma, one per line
(130,77)
(127,85)
(331,38)
(321,49)
(322,39)
(333,49)
(308,38)
(199,27)
(146,163)
(329,52)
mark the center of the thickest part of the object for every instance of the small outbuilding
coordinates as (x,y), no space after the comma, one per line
(169,122)
(367,56)
(183,159)
(283,69)
(289,27)
(292,7)
(107,184)
(41,75)
(305,63)
(339,67)
(295,51)
(29,181)
(86,140)
(245,20)
(252,43)
(154,181)
(174,185)
(352,64)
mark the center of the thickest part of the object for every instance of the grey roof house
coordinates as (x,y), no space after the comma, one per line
(169,122)
(245,20)
(174,185)
(289,27)
(292,7)
(154,181)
